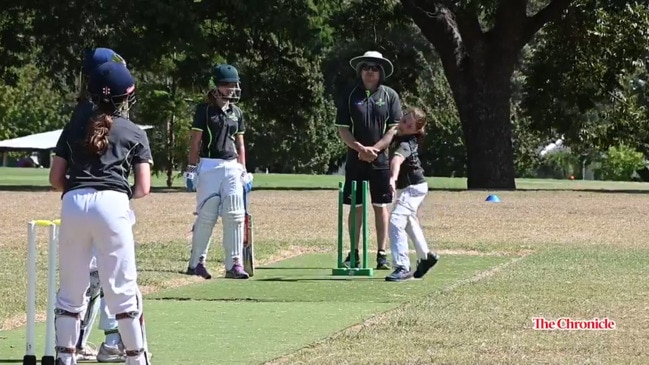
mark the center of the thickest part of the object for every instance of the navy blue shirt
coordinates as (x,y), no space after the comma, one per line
(128,145)
(369,116)
(219,128)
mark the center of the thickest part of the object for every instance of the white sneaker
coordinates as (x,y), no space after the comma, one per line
(87,354)
(111,353)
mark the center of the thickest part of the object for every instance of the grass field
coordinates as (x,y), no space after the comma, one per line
(30,178)
(549,253)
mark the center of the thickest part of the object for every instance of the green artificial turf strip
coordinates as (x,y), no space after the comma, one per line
(225,332)
(307,278)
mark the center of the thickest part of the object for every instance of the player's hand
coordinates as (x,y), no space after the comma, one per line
(393,187)
(368,154)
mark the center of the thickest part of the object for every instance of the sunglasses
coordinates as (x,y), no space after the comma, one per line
(374,68)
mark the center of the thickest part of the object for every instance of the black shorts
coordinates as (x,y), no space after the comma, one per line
(379,181)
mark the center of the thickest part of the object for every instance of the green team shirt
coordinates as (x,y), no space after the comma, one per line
(219,128)
(369,116)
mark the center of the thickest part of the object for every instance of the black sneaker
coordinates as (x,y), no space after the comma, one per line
(382,261)
(401,273)
(426,264)
(348,260)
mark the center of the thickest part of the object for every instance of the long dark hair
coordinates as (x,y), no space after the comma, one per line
(97,133)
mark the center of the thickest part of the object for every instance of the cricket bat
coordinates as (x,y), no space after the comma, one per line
(248,248)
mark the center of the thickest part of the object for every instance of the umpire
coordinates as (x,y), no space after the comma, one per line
(366,118)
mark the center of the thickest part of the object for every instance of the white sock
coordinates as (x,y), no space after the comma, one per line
(112,338)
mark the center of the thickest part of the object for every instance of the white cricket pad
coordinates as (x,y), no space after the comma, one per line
(234,216)
(133,335)
(207,215)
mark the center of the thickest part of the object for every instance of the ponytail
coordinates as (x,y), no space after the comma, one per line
(97,135)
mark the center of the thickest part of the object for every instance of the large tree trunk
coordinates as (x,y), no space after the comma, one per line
(479,65)
(482,96)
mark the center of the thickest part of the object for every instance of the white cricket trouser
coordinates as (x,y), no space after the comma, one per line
(97,222)
(219,192)
(404,224)
(107,321)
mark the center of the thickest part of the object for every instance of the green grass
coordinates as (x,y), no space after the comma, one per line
(39,177)
(216,320)
(490,322)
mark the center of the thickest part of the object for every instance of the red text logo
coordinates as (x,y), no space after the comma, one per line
(569,324)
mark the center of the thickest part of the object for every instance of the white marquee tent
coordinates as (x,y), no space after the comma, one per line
(36,142)
(39,141)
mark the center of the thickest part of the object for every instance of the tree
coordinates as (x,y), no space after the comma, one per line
(30,106)
(585,79)
(479,44)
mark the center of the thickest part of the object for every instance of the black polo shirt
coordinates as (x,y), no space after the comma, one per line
(128,145)
(410,172)
(369,116)
(218,129)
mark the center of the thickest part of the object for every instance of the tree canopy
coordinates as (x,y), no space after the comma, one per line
(498,78)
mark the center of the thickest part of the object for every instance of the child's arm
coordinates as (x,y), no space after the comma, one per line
(395,166)
(402,152)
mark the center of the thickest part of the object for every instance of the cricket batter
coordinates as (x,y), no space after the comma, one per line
(408,182)
(111,350)
(217,157)
(366,119)
(98,153)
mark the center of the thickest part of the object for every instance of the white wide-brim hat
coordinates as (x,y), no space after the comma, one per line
(373,57)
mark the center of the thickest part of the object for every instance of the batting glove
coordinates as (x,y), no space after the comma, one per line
(190,178)
(246,179)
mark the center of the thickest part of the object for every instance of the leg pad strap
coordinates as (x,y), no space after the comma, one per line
(65,350)
(126,315)
(134,352)
(62,312)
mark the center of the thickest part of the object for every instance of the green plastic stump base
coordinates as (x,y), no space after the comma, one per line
(352,272)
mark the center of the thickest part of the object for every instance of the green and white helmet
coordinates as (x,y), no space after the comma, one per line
(221,76)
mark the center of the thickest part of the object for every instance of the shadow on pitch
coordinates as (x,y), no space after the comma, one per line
(172,271)
(320,278)
(292,268)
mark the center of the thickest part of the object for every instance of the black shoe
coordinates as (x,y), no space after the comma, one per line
(426,264)
(382,261)
(348,260)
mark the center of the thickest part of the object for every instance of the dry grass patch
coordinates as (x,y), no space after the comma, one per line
(288,223)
